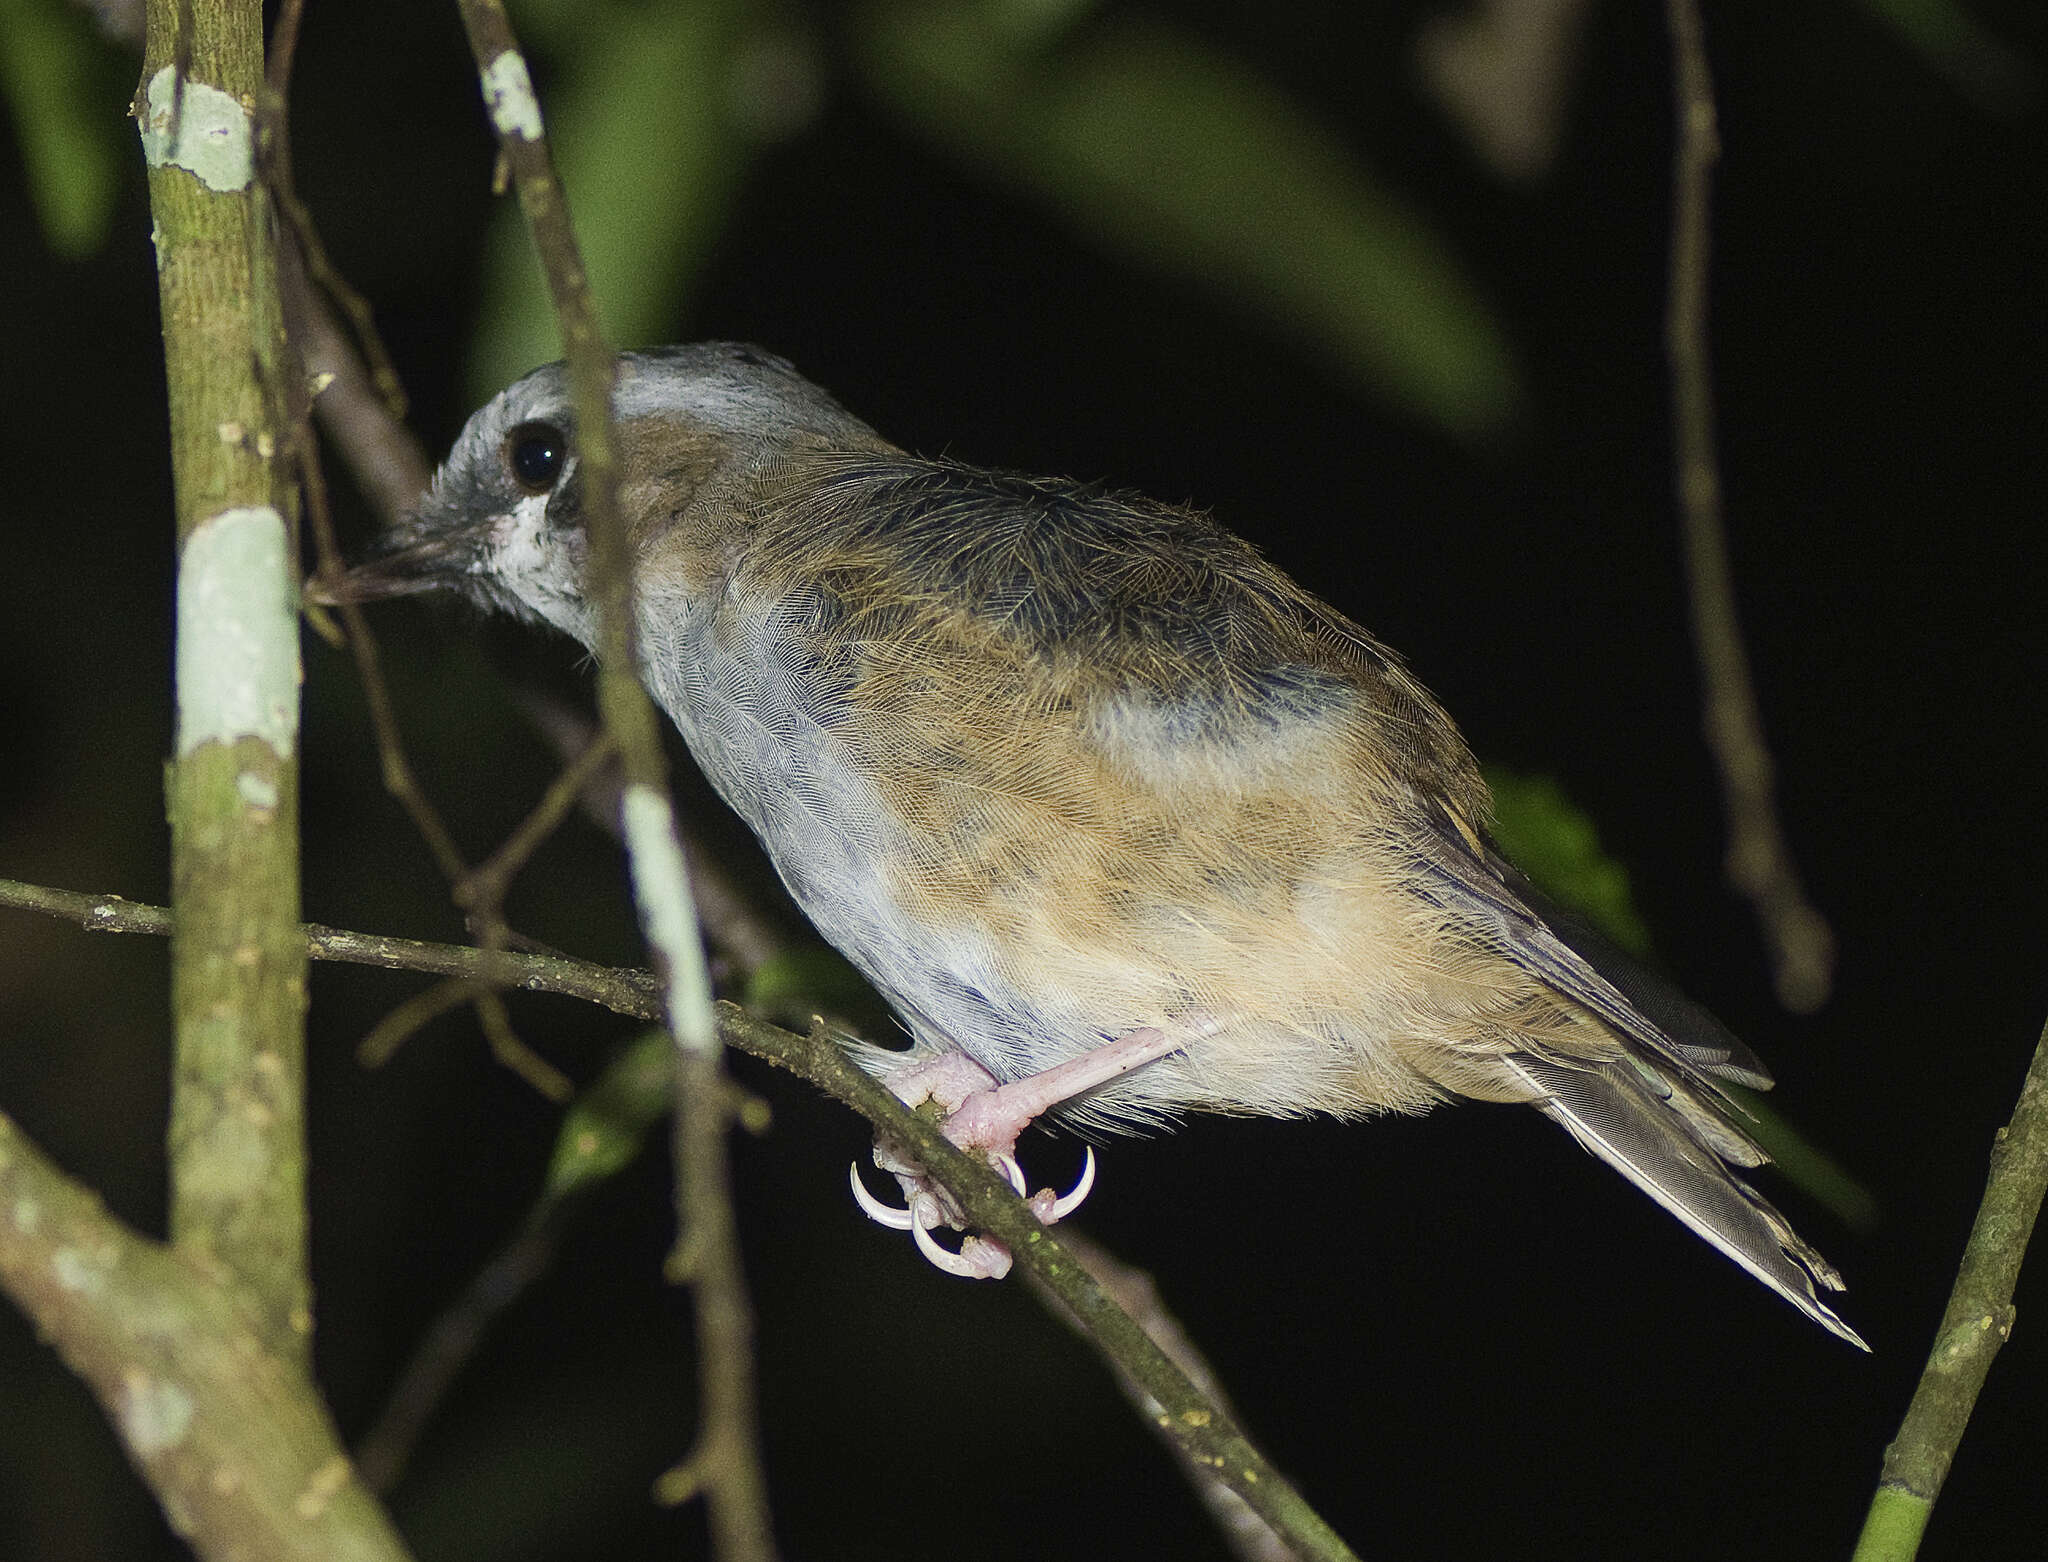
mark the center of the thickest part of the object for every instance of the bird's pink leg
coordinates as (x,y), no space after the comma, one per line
(990,1120)
(986,1117)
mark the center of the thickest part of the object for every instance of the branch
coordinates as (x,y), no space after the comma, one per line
(238,966)
(1976,1325)
(1759,862)
(727,1460)
(228,1432)
(1202,1430)
(1249,1537)
(635,994)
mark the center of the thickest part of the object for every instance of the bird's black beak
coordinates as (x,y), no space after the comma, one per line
(403,562)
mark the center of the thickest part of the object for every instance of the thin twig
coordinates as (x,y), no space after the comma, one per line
(733,923)
(401,1023)
(487,921)
(486,884)
(1976,1325)
(1249,1536)
(1759,861)
(635,994)
(728,1455)
(388,463)
(446,1348)
(1203,1430)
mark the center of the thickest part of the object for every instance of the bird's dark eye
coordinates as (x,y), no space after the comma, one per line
(535,453)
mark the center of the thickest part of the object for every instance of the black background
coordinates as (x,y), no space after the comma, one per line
(1460,1335)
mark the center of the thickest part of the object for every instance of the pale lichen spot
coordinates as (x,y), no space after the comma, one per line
(661,884)
(28,1215)
(320,1488)
(508,93)
(77,1272)
(215,142)
(154,1414)
(238,644)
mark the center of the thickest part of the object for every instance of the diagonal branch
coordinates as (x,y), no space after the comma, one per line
(727,1459)
(1202,1430)
(1976,1325)
(227,1430)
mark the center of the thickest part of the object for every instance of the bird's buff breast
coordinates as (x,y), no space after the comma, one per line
(1026,867)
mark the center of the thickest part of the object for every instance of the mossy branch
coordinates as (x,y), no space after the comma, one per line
(238,964)
(1202,1431)
(228,1431)
(1975,1327)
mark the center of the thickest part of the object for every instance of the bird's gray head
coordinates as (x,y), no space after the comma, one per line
(503,523)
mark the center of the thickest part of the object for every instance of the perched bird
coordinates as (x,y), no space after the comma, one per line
(1089,791)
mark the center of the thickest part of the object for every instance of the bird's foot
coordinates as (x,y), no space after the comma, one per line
(928,1206)
(986,1118)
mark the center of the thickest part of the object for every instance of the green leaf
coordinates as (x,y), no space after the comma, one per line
(1552,840)
(607,1123)
(52,70)
(1185,160)
(805,980)
(2000,78)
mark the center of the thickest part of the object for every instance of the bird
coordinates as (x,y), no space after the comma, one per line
(1123,822)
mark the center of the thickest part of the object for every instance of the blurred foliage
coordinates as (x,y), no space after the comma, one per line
(653,112)
(1997,77)
(1149,143)
(1554,841)
(1550,838)
(609,1120)
(1186,161)
(804,980)
(57,79)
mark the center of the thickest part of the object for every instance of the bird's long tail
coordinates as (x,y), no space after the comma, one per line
(1677,1148)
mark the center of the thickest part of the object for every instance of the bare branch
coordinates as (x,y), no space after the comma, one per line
(1759,861)
(635,994)
(1203,1430)
(727,1460)
(1248,1535)
(238,966)
(1976,1325)
(228,1432)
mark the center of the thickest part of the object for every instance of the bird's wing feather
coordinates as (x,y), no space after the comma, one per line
(1575,959)
(1657,1114)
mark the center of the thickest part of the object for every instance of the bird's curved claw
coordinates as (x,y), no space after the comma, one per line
(1007,1165)
(978,1258)
(1074,1197)
(881,1214)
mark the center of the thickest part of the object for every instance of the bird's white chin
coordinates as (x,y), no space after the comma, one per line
(536,568)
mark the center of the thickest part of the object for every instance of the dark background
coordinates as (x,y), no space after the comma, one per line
(1460,1335)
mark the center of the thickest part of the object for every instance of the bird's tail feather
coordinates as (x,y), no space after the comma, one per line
(1646,1131)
